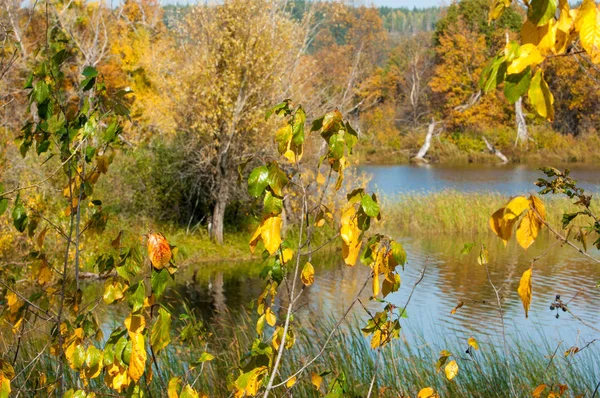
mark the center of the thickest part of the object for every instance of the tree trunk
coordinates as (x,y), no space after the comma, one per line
(495,151)
(218,218)
(522,134)
(423,151)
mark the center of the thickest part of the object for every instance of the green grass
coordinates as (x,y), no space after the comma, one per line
(404,368)
(452,212)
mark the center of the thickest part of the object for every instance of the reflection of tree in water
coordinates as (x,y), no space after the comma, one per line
(218,293)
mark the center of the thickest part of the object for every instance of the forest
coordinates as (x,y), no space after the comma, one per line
(303,198)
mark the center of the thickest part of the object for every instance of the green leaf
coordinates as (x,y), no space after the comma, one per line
(205,357)
(492,77)
(277,109)
(370,207)
(41,92)
(90,71)
(467,248)
(160,336)
(3,205)
(19,215)
(136,299)
(43,146)
(540,12)
(277,179)
(272,204)
(87,83)
(516,86)
(298,126)
(317,124)
(336,146)
(566,218)
(258,181)
(158,281)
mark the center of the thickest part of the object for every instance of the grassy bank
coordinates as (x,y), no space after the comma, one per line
(451,212)
(547,146)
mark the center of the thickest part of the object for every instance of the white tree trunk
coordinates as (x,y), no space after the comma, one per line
(495,151)
(522,134)
(423,151)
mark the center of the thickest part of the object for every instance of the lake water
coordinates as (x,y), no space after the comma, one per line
(507,179)
(450,277)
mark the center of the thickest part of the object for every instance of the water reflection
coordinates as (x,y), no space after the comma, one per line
(450,278)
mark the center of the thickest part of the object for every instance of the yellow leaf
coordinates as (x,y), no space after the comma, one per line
(308,274)
(116,377)
(538,391)
(14,302)
(350,233)
(320,179)
(135,323)
(537,204)
(529,33)
(137,363)
(159,250)
(503,220)
(174,386)
(316,380)
(291,382)
(451,370)
(45,274)
(547,38)
(564,27)
(473,343)
(515,207)
(255,238)
(530,56)
(525,290)
(528,229)
(287,255)
(540,96)
(270,232)
(497,9)
(427,392)
(270,317)
(588,25)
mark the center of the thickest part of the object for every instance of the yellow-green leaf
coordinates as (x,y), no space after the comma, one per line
(174,386)
(160,337)
(529,56)
(540,96)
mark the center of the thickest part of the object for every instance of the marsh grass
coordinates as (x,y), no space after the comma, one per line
(404,367)
(452,212)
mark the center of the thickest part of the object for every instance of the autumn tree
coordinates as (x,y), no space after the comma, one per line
(464,43)
(229,62)
(347,48)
